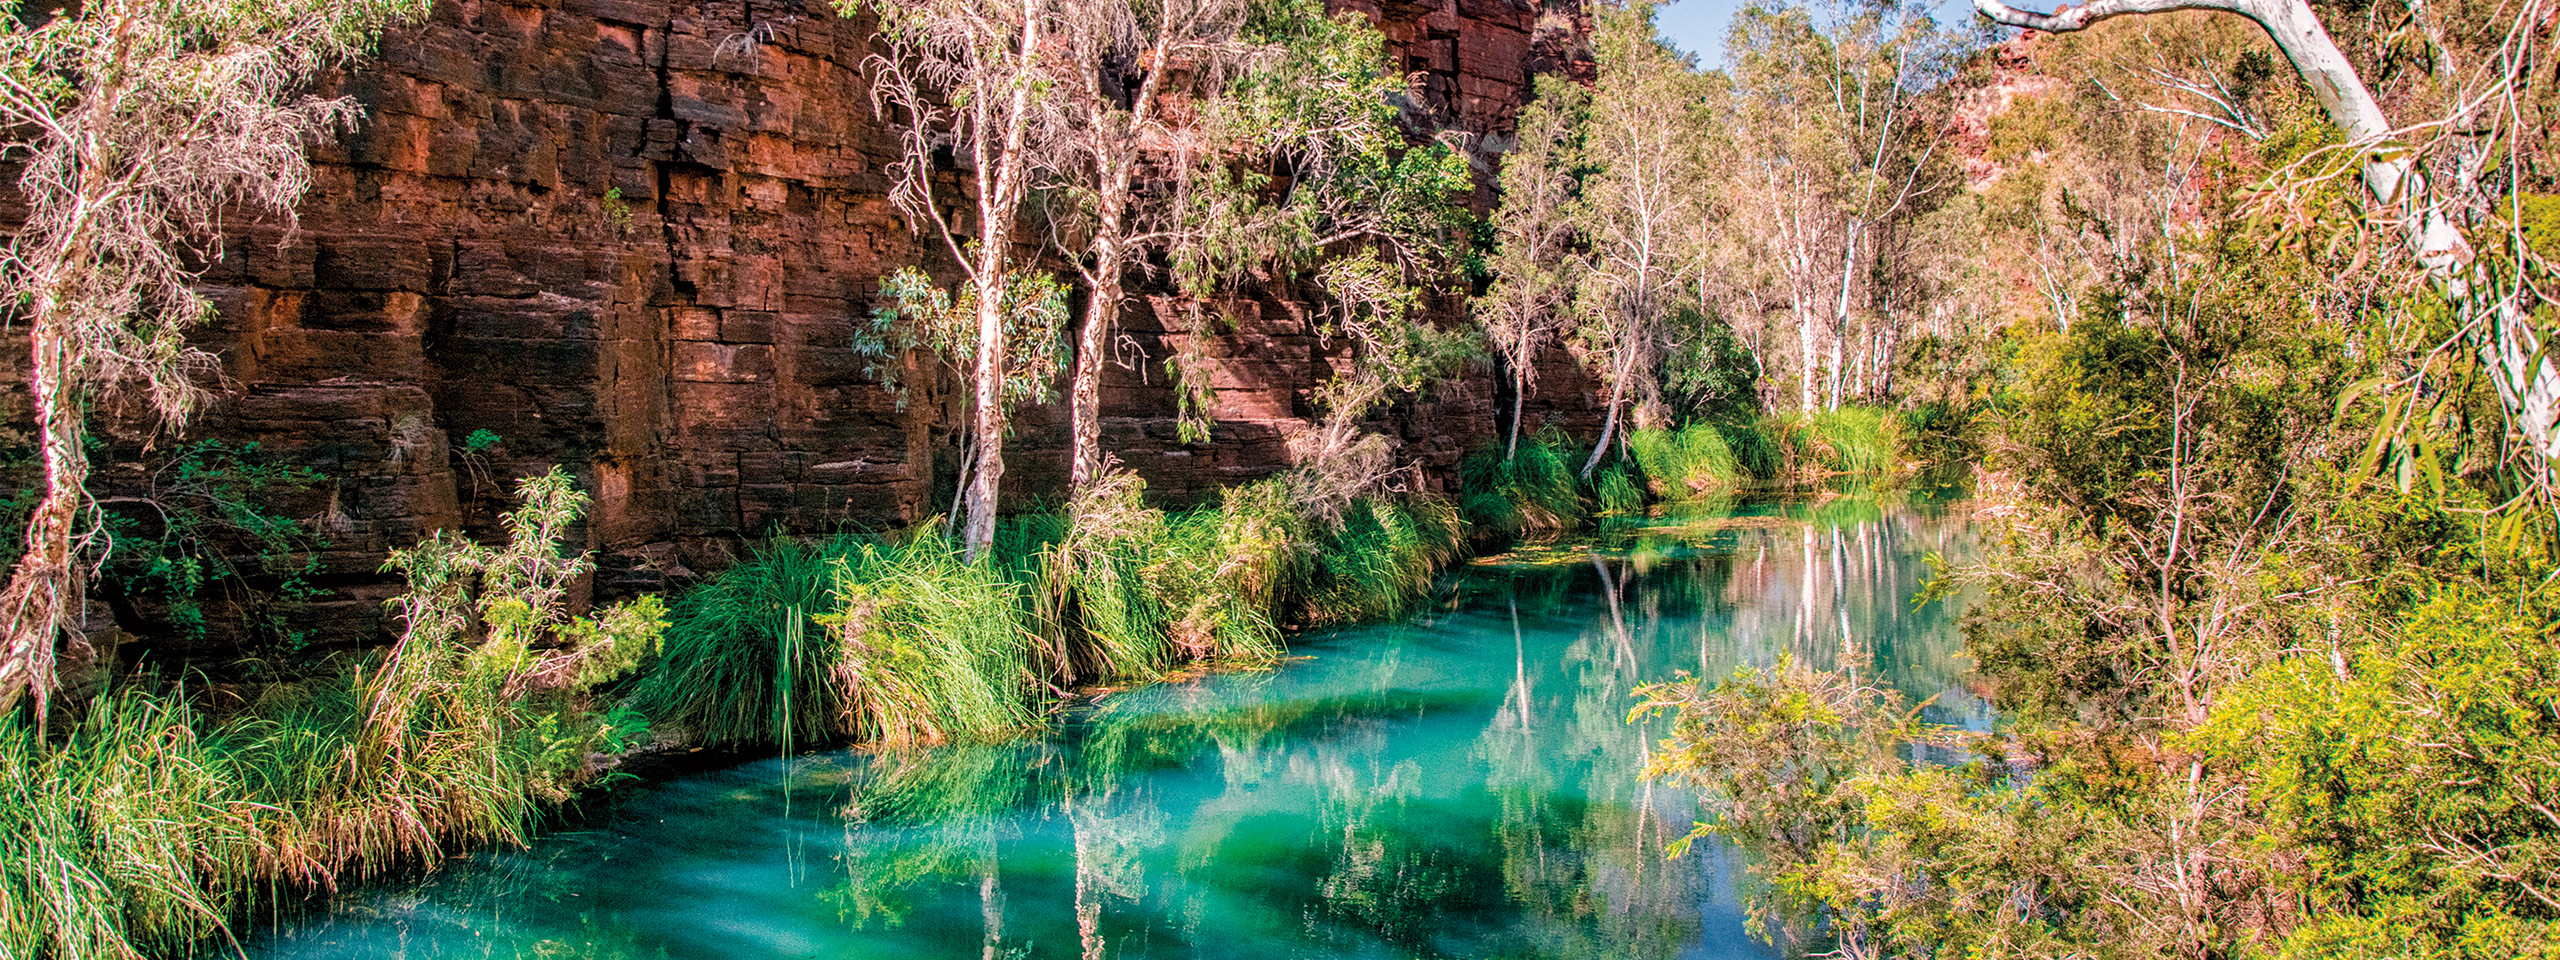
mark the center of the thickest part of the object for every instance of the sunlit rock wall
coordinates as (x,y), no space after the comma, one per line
(632,238)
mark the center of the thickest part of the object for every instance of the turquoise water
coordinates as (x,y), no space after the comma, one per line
(1460,785)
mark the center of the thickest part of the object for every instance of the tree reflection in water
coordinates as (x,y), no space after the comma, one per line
(1461,785)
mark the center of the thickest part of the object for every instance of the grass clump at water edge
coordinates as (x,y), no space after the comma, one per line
(1530,491)
(150,825)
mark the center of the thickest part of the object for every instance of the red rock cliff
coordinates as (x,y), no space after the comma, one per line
(632,236)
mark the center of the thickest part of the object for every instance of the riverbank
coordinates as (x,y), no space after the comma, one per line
(1460,782)
(152,823)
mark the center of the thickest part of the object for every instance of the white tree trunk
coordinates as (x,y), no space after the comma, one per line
(46,586)
(2527,383)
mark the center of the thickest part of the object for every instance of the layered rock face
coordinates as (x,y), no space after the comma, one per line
(633,237)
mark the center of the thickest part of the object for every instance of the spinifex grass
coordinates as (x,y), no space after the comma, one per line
(124,837)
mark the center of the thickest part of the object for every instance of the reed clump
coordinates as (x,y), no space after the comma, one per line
(900,640)
(1527,492)
(1687,463)
(745,659)
(150,824)
(1863,443)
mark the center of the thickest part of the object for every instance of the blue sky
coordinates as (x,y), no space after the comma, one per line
(1697,26)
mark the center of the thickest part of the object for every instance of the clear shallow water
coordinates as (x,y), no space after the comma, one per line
(1460,785)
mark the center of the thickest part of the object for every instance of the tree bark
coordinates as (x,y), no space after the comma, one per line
(46,585)
(1519,398)
(1608,427)
(1084,401)
(995,241)
(1809,359)
(2528,384)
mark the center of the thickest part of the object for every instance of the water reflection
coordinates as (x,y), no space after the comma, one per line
(1463,785)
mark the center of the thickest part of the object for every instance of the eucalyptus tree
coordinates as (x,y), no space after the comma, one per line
(1129,73)
(969,76)
(2498,310)
(1534,259)
(1335,192)
(138,127)
(1833,153)
(1639,198)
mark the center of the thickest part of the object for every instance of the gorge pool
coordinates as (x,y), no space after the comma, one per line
(1462,784)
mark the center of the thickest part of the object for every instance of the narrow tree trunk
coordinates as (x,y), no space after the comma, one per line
(1608,427)
(1519,396)
(1000,197)
(979,532)
(1102,311)
(1084,399)
(2528,383)
(46,587)
(1807,358)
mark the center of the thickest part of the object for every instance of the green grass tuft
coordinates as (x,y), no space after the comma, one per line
(149,825)
(1528,493)
(1615,492)
(927,647)
(1688,463)
(1384,559)
(744,658)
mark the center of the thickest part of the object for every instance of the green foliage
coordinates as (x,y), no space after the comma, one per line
(1383,558)
(2413,780)
(1687,463)
(1099,594)
(1221,577)
(917,315)
(149,825)
(1757,450)
(899,641)
(1616,492)
(481,441)
(617,211)
(1863,442)
(1708,372)
(1531,492)
(928,647)
(745,659)
(205,531)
